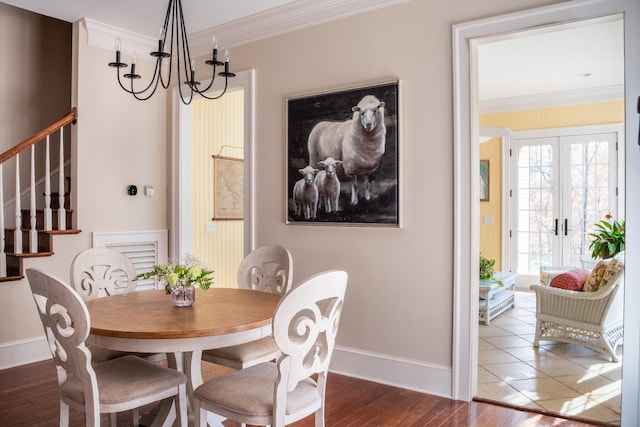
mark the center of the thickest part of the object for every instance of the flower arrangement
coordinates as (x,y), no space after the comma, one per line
(177,277)
(487,271)
(608,238)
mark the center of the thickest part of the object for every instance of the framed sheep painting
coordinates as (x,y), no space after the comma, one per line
(343,157)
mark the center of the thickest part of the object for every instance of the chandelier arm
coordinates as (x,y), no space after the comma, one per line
(156,79)
(217,96)
(206,89)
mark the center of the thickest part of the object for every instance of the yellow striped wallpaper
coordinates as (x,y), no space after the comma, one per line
(217,130)
(544,118)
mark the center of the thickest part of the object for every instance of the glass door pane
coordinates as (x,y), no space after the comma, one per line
(536,205)
(588,191)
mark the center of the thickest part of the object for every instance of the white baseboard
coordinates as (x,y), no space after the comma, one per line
(384,369)
(393,371)
(22,352)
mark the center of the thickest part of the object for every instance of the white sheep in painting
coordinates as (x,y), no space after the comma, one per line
(305,193)
(358,142)
(328,184)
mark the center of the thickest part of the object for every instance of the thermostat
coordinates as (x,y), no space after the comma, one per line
(132,190)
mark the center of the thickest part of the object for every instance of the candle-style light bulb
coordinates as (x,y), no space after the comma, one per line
(161,34)
(226,56)
(117,62)
(214,41)
(134,58)
(193,71)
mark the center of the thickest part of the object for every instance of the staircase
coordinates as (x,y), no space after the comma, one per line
(32,231)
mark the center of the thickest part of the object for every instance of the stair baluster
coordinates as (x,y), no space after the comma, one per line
(3,255)
(47,188)
(17,234)
(62,212)
(33,232)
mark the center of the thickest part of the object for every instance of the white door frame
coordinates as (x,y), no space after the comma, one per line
(466,191)
(180,155)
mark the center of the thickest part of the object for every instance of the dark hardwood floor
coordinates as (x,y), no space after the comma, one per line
(29,397)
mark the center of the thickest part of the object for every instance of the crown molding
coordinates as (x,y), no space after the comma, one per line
(286,18)
(104,36)
(555,99)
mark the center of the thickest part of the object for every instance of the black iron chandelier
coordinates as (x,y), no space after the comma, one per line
(173,29)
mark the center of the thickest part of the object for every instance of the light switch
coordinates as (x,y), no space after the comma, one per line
(148,190)
(488,220)
(208,227)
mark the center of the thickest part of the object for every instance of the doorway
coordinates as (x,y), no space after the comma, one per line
(197,227)
(466,156)
(563,180)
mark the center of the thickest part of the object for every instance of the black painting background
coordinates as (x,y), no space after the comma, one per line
(304,113)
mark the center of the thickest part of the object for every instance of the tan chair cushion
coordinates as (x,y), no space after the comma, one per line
(243,355)
(125,379)
(250,392)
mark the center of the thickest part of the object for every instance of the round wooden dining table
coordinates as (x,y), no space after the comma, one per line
(147,321)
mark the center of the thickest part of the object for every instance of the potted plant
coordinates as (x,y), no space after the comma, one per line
(487,272)
(608,238)
(180,280)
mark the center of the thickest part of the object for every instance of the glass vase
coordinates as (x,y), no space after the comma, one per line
(183,296)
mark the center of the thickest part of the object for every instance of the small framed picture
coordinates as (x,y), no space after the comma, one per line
(484,180)
(343,157)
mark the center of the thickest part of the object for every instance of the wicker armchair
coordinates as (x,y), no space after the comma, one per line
(590,319)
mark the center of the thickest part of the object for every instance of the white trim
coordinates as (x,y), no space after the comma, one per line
(393,371)
(286,18)
(104,36)
(23,352)
(466,124)
(556,99)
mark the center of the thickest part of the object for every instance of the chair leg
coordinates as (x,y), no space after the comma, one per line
(64,414)
(181,405)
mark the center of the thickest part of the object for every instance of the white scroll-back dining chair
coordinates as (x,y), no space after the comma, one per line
(117,385)
(305,325)
(265,269)
(101,272)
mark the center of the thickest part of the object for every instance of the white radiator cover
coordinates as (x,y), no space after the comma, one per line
(145,248)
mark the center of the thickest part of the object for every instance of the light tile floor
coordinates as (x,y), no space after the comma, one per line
(557,378)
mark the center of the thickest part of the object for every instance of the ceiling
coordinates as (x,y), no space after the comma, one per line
(570,59)
(146,16)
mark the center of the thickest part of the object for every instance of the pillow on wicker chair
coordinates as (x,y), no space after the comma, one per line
(572,280)
(593,281)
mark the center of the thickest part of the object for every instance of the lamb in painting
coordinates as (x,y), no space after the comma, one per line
(358,142)
(305,193)
(328,184)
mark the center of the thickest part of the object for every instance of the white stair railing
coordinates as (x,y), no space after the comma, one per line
(43,186)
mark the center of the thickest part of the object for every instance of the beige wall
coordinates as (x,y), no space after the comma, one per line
(35,90)
(399,299)
(400,294)
(120,141)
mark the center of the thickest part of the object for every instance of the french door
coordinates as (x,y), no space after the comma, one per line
(563,185)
